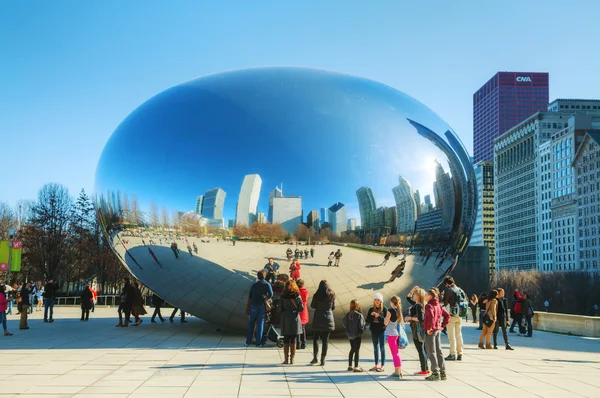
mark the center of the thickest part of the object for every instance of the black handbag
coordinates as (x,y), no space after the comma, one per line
(487,321)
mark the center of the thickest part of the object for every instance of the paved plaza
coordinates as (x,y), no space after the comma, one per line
(69,358)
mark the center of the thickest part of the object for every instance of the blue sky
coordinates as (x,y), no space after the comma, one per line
(71,71)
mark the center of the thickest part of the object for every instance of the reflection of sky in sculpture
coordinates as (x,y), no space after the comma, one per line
(320,134)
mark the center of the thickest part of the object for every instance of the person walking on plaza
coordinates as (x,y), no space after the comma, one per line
(94,298)
(312,252)
(391,322)
(295,270)
(489,320)
(473,305)
(331,257)
(124,309)
(481,302)
(502,320)
(435,319)
(452,298)
(375,317)
(416,298)
(527,314)
(323,302)
(40,299)
(181,315)
(32,296)
(24,310)
(291,324)
(386,258)
(137,304)
(3,307)
(87,299)
(271,270)
(517,311)
(301,341)
(354,323)
(260,291)
(338,257)
(50,290)
(175,249)
(157,302)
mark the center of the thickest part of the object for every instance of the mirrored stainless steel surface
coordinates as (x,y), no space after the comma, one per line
(204,182)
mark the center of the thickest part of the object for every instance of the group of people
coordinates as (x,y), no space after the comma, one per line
(427,317)
(28,296)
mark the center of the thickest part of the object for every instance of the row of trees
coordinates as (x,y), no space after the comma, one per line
(62,240)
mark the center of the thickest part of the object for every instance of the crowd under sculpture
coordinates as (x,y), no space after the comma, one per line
(238,167)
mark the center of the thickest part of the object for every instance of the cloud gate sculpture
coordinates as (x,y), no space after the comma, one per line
(204,182)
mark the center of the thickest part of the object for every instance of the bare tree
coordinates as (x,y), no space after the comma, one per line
(8,220)
(164,218)
(153,215)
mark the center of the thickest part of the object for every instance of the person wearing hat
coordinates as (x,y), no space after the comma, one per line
(375,318)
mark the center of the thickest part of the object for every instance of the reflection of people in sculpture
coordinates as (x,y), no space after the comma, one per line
(190,250)
(295,269)
(398,270)
(338,256)
(154,257)
(175,249)
(195,248)
(271,270)
(386,258)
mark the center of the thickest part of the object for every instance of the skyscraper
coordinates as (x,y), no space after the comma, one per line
(446,196)
(324,218)
(285,210)
(212,207)
(427,205)
(405,206)
(483,232)
(247,205)
(313,219)
(337,218)
(352,224)
(366,207)
(199,202)
(261,218)
(504,101)
(417,197)
(276,193)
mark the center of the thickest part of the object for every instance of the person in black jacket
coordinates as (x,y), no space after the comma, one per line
(86,303)
(49,296)
(125,305)
(481,302)
(157,302)
(25,292)
(323,302)
(501,319)
(375,317)
(291,325)
(416,298)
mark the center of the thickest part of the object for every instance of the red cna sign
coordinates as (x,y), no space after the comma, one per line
(17,244)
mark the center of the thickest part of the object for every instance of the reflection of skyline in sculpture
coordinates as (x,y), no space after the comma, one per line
(366,123)
(286,210)
(367,207)
(212,206)
(405,206)
(337,218)
(199,203)
(247,206)
(446,196)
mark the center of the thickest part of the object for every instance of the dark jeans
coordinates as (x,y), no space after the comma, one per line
(257,318)
(354,351)
(324,337)
(3,320)
(378,339)
(420,346)
(124,312)
(157,312)
(48,304)
(529,326)
(271,278)
(515,322)
(433,346)
(85,314)
(182,313)
(474,313)
(500,324)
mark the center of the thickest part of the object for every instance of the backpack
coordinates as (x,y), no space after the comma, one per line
(461,306)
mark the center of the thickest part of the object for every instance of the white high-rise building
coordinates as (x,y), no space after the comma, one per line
(337,218)
(544,169)
(276,193)
(352,224)
(247,206)
(406,206)
(212,207)
(285,210)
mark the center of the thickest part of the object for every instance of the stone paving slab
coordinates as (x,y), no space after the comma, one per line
(69,358)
